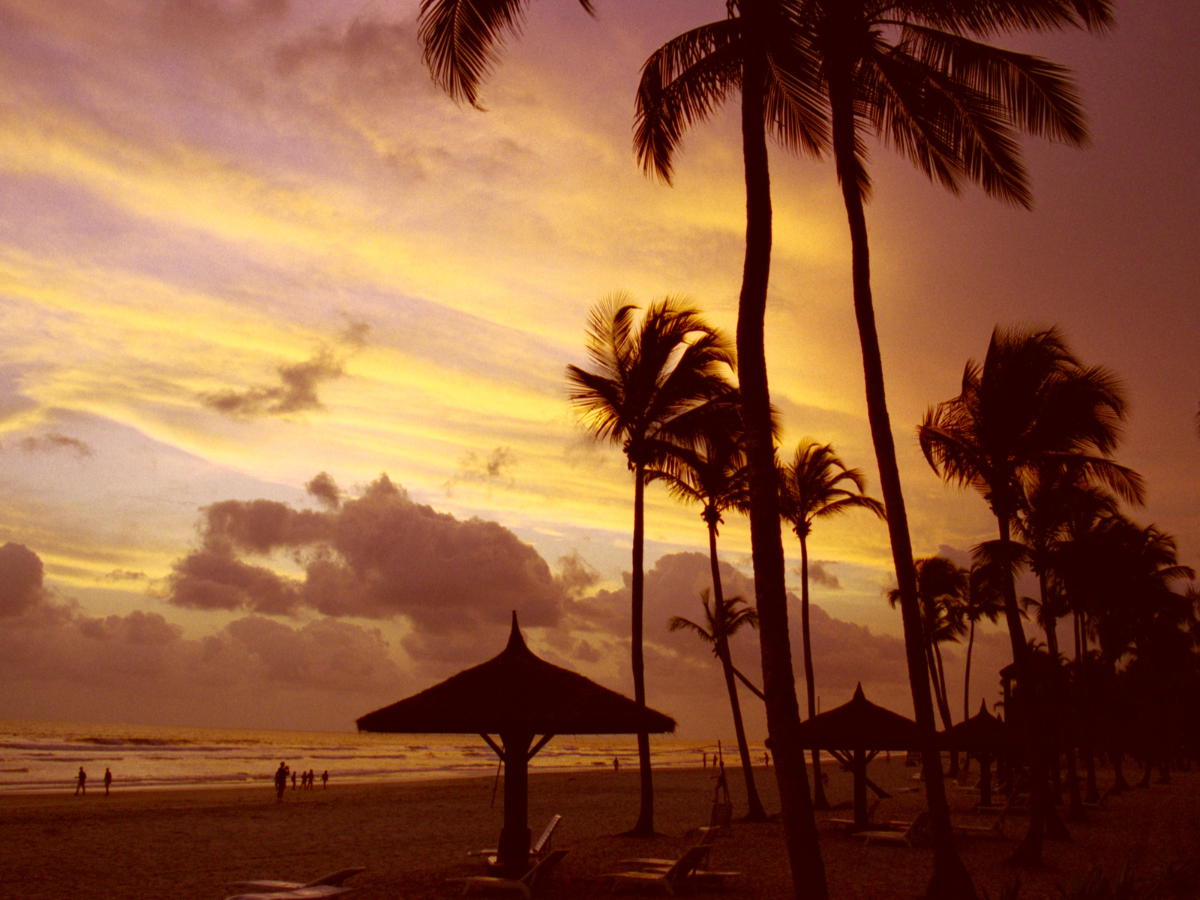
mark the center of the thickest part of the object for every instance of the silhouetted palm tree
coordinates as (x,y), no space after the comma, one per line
(942,588)
(1030,406)
(722,620)
(710,469)
(646,374)
(754,51)
(817,485)
(984,600)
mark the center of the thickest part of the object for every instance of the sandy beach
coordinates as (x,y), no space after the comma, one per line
(413,837)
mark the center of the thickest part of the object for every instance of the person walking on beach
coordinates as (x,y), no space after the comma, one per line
(325,779)
(281,775)
(107,780)
(81,782)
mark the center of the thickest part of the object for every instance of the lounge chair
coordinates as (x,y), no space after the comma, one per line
(316,892)
(708,836)
(685,870)
(526,884)
(331,885)
(539,848)
(1102,803)
(850,823)
(916,833)
(335,879)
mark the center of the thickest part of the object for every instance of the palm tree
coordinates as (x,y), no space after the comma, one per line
(811,487)
(984,600)
(1029,407)
(751,51)
(722,620)
(711,470)
(646,374)
(942,590)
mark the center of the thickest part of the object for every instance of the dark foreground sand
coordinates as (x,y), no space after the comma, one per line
(413,837)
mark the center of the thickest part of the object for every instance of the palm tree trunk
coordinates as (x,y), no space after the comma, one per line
(944,706)
(645,822)
(967,691)
(756,812)
(819,799)
(779,686)
(950,878)
(1084,702)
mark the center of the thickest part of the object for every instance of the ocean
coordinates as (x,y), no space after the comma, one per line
(39,757)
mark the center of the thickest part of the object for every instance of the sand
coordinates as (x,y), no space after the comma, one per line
(413,837)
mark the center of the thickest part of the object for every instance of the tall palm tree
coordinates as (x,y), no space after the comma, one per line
(646,374)
(753,52)
(722,620)
(984,600)
(1030,406)
(817,485)
(710,469)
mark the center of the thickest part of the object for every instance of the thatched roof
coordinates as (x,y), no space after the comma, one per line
(516,691)
(983,732)
(859,724)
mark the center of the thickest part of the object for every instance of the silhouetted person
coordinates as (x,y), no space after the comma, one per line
(766,759)
(293,781)
(616,764)
(325,779)
(107,780)
(281,775)
(81,782)
(722,791)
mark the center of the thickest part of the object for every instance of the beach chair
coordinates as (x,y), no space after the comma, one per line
(526,884)
(334,879)
(916,833)
(722,818)
(669,877)
(850,823)
(707,837)
(331,885)
(315,892)
(539,848)
(1102,803)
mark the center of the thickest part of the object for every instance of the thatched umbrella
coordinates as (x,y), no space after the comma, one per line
(983,736)
(854,733)
(517,696)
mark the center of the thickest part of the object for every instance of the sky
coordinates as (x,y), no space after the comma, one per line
(284,430)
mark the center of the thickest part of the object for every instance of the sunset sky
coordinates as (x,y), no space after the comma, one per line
(284,433)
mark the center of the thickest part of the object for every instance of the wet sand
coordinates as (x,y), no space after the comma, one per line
(413,837)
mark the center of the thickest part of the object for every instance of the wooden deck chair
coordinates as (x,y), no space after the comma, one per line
(916,833)
(669,877)
(331,885)
(526,884)
(850,823)
(538,849)
(316,892)
(707,837)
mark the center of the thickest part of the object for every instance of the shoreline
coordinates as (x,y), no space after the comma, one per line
(412,836)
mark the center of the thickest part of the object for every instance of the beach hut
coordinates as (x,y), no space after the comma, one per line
(854,733)
(983,736)
(517,696)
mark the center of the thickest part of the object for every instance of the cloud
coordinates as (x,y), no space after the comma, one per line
(818,573)
(124,575)
(21,579)
(57,662)
(495,468)
(324,488)
(378,555)
(53,441)
(296,392)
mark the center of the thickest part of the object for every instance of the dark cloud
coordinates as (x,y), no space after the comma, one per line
(325,489)
(575,575)
(296,392)
(53,441)
(21,579)
(378,555)
(818,573)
